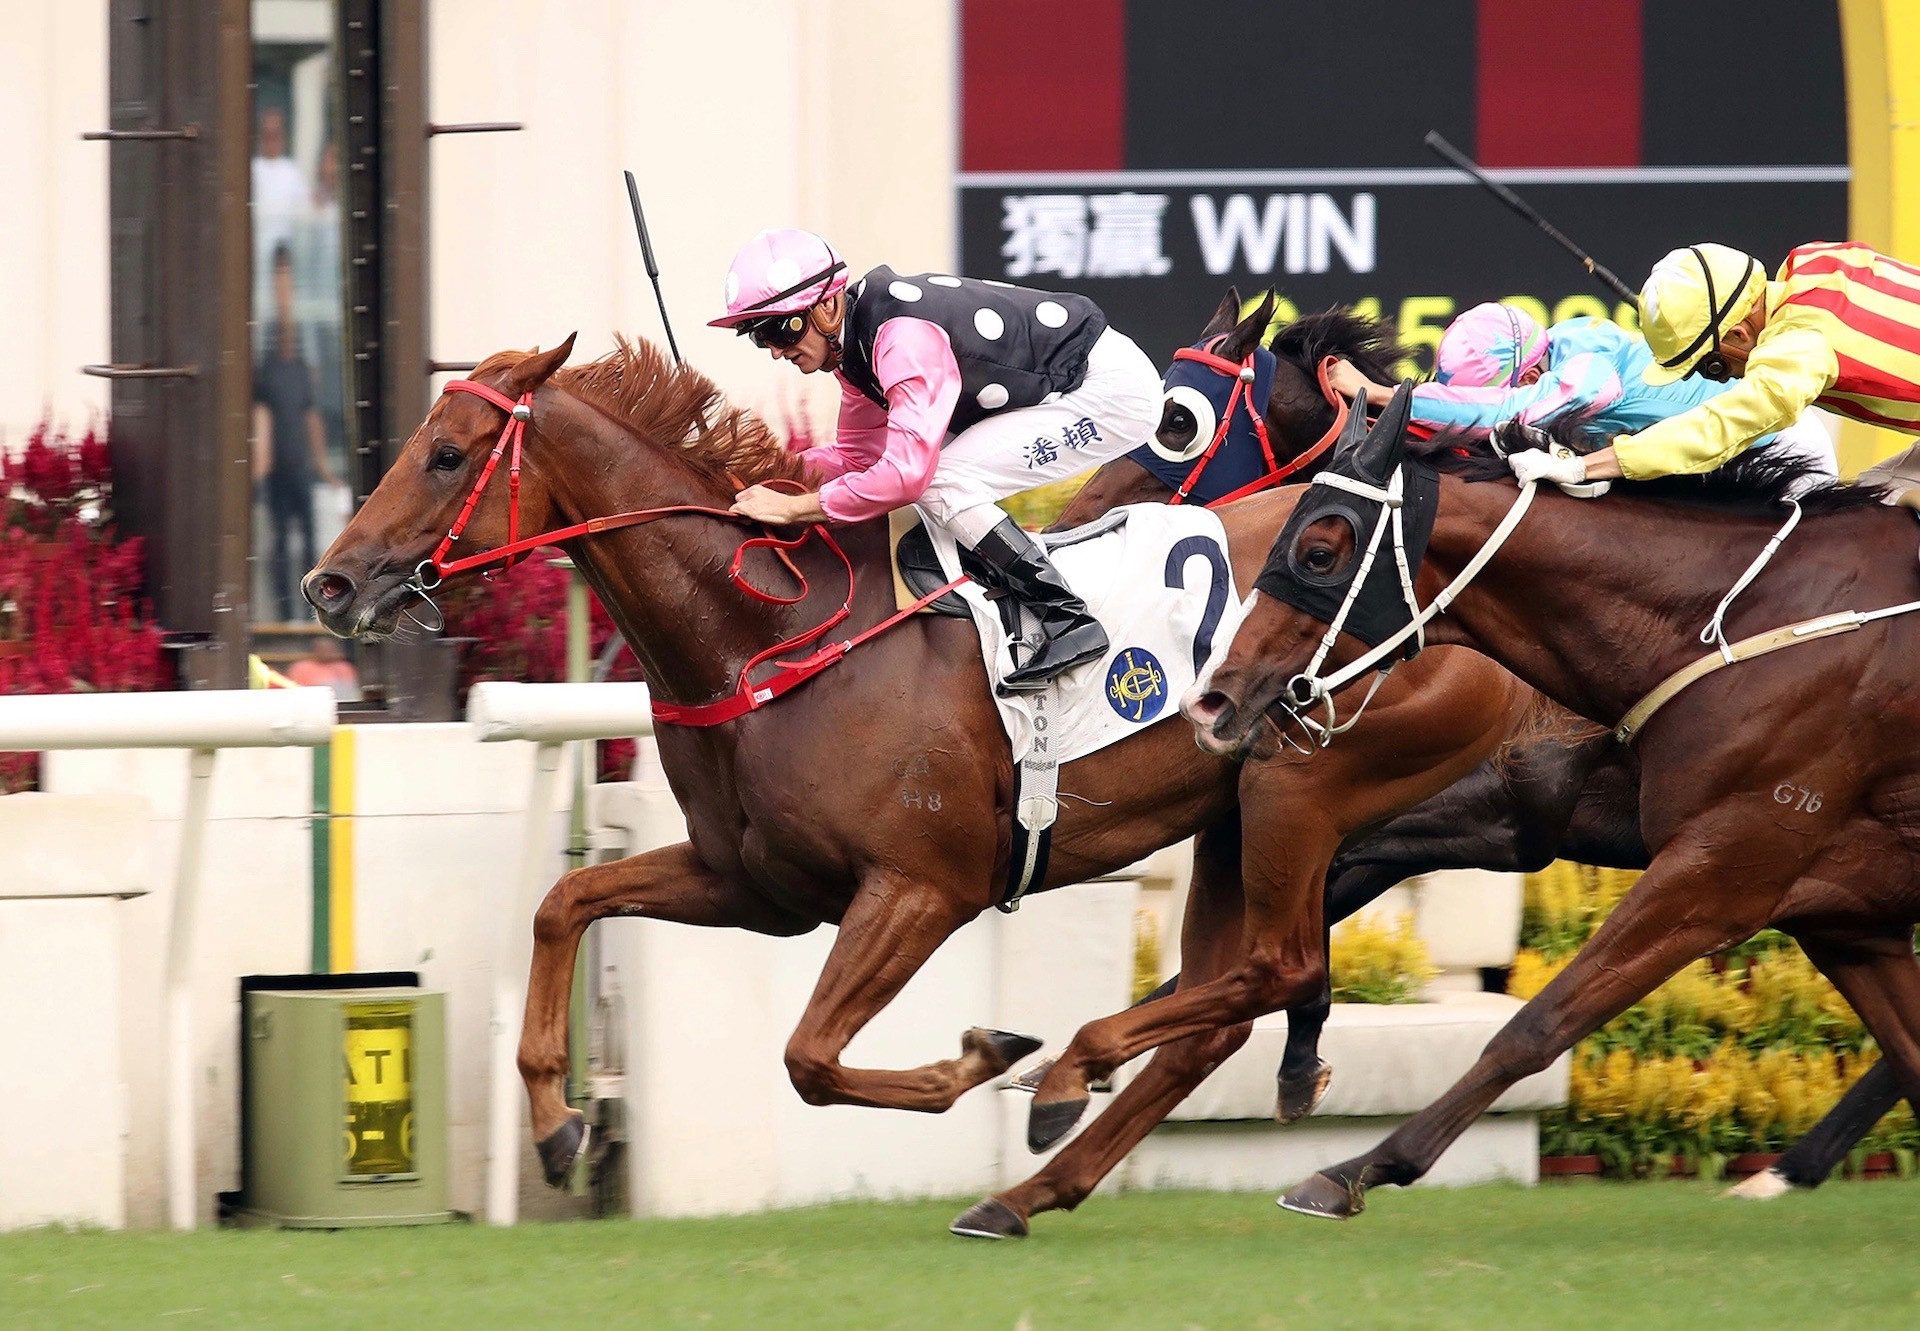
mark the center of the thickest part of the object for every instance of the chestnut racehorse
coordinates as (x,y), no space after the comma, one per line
(795,811)
(1783,791)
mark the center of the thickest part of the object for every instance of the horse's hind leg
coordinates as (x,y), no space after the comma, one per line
(1210,938)
(666,884)
(889,930)
(1668,919)
(1880,976)
(1816,1155)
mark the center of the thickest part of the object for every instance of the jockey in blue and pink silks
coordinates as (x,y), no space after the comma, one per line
(954,393)
(1496,363)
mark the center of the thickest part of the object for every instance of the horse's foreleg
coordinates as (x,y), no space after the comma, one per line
(1210,939)
(1667,920)
(892,926)
(666,884)
(1304,1075)
(1280,961)
(1808,1161)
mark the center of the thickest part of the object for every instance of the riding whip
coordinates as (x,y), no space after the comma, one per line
(1600,271)
(653,269)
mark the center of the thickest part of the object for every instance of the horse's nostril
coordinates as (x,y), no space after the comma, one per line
(325,590)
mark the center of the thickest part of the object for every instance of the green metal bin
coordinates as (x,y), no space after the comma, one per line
(344,1122)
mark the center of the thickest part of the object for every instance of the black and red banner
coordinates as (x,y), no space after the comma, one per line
(1149,152)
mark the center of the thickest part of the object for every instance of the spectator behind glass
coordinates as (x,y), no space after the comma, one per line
(317,301)
(289,446)
(281,199)
(326,666)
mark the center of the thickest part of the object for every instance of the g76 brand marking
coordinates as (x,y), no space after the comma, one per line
(1799,797)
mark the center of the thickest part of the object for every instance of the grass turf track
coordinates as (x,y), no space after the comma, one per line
(1586,1254)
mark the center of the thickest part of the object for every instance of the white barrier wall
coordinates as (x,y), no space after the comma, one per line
(713,1124)
(252,918)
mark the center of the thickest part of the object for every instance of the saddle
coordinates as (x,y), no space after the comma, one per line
(916,569)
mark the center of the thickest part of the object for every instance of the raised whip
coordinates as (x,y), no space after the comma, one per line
(1600,271)
(653,269)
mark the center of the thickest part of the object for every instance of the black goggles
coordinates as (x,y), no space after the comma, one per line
(777,332)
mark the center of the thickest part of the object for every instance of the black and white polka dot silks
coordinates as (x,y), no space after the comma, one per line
(1015,347)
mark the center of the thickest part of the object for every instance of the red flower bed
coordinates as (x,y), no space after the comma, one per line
(71,617)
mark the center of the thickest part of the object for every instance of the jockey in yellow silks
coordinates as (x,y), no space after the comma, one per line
(1838,328)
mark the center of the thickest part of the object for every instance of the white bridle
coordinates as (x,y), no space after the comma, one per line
(1310,687)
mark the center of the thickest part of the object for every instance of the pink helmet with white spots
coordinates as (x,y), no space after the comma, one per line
(782,271)
(1490,345)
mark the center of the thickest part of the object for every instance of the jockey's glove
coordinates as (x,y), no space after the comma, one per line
(1533,456)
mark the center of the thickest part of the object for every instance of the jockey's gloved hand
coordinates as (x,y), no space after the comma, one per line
(1565,469)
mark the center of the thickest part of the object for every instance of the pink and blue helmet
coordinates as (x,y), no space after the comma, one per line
(782,271)
(1491,344)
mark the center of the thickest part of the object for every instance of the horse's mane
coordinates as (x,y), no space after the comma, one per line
(674,406)
(1370,344)
(1755,484)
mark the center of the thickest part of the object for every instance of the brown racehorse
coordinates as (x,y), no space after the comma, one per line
(1782,791)
(1297,414)
(795,812)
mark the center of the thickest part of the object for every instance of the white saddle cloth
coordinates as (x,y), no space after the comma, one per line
(1159,581)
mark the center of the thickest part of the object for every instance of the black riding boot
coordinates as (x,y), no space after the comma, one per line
(1070,636)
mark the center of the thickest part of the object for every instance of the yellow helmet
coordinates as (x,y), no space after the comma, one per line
(1692,297)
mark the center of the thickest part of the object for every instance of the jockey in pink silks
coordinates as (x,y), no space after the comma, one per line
(953,393)
(1497,364)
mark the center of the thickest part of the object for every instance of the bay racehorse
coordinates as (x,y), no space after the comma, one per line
(1559,788)
(1782,791)
(785,833)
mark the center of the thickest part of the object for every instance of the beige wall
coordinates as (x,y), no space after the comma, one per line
(835,114)
(53,217)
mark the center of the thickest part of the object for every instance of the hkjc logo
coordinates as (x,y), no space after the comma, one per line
(1136,685)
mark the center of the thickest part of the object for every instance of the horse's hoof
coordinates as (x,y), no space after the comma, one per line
(989,1219)
(1300,1096)
(1761,1187)
(561,1147)
(1326,1198)
(1003,1048)
(1029,1081)
(1047,1124)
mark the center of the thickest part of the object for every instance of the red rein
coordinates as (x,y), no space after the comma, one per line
(747,695)
(786,676)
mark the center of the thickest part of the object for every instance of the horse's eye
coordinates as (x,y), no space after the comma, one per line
(1180,423)
(1319,559)
(446,458)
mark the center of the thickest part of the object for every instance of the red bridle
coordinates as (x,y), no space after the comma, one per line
(747,696)
(1242,373)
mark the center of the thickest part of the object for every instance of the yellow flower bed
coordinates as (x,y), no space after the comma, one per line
(1374,961)
(1746,1055)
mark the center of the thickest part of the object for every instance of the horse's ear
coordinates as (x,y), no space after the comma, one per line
(537,368)
(1380,452)
(1352,435)
(1224,316)
(1251,331)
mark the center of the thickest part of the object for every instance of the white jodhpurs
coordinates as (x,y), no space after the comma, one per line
(1115,409)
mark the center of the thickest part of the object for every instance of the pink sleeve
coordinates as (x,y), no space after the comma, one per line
(913,360)
(859,440)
